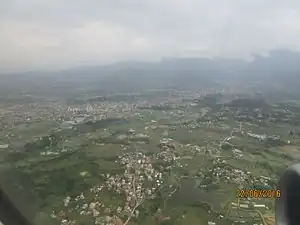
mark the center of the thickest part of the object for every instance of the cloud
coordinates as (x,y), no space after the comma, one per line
(40,34)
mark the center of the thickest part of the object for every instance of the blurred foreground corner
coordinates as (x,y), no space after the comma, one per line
(16,206)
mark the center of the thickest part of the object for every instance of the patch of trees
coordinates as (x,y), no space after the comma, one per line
(53,179)
(249,103)
(261,186)
(140,139)
(111,140)
(51,140)
(114,98)
(203,205)
(167,222)
(245,118)
(151,207)
(45,219)
(281,155)
(269,167)
(159,164)
(226,146)
(92,126)
(60,182)
(163,107)
(15,156)
(169,145)
(269,142)
(208,100)
(213,187)
(208,180)
(110,158)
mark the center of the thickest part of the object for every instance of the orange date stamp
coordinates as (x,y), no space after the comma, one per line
(257,193)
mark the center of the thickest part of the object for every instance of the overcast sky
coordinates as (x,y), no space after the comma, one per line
(38,34)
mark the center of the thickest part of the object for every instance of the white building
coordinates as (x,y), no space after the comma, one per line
(4,146)
(244,206)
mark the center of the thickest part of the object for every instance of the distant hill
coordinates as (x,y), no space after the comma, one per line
(278,72)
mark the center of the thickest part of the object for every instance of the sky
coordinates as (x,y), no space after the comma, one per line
(54,34)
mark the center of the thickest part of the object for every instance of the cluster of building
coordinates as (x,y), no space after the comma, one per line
(140,179)
(228,174)
(139,182)
(57,152)
(248,204)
